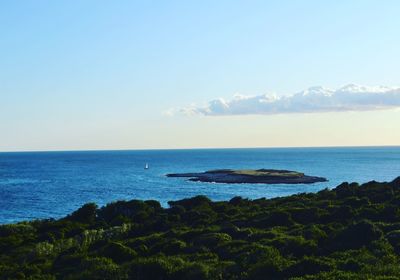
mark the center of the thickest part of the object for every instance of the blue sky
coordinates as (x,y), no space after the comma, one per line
(100,74)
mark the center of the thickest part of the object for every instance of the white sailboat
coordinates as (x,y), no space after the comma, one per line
(146,166)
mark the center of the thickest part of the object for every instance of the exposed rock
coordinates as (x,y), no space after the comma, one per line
(250,176)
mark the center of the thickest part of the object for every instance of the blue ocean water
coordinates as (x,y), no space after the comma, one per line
(52,184)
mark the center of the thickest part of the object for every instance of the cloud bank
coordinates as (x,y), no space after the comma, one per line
(313,100)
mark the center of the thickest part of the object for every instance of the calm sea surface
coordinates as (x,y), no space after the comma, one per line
(52,184)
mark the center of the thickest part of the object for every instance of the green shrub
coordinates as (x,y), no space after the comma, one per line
(196,271)
(351,232)
(309,266)
(357,235)
(157,268)
(86,214)
(212,239)
(117,252)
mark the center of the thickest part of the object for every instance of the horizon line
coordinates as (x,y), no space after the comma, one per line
(199,148)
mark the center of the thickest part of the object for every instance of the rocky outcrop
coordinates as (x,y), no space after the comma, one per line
(250,176)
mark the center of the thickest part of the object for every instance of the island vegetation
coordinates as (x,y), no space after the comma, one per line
(250,176)
(349,232)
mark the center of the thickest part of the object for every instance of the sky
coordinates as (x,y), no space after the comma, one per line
(87,75)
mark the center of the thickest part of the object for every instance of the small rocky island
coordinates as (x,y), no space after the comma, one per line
(251,176)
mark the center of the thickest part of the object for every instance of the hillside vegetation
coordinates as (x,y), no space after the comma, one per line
(350,232)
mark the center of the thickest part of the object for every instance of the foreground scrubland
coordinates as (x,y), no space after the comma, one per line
(349,232)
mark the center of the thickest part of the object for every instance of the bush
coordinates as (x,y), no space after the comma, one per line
(351,232)
(196,271)
(269,264)
(117,252)
(212,239)
(357,235)
(86,214)
(309,266)
(155,268)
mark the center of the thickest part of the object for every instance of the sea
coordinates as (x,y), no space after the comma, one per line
(41,185)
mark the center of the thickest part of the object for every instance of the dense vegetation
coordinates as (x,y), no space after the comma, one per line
(350,232)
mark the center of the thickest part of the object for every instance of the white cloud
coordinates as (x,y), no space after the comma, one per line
(170,112)
(315,99)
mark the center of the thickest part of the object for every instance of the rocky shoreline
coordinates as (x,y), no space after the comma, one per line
(250,176)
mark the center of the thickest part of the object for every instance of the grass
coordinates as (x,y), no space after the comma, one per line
(252,172)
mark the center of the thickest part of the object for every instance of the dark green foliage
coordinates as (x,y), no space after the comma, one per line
(191,203)
(152,268)
(86,214)
(117,252)
(350,232)
(357,235)
(310,266)
(211,239)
